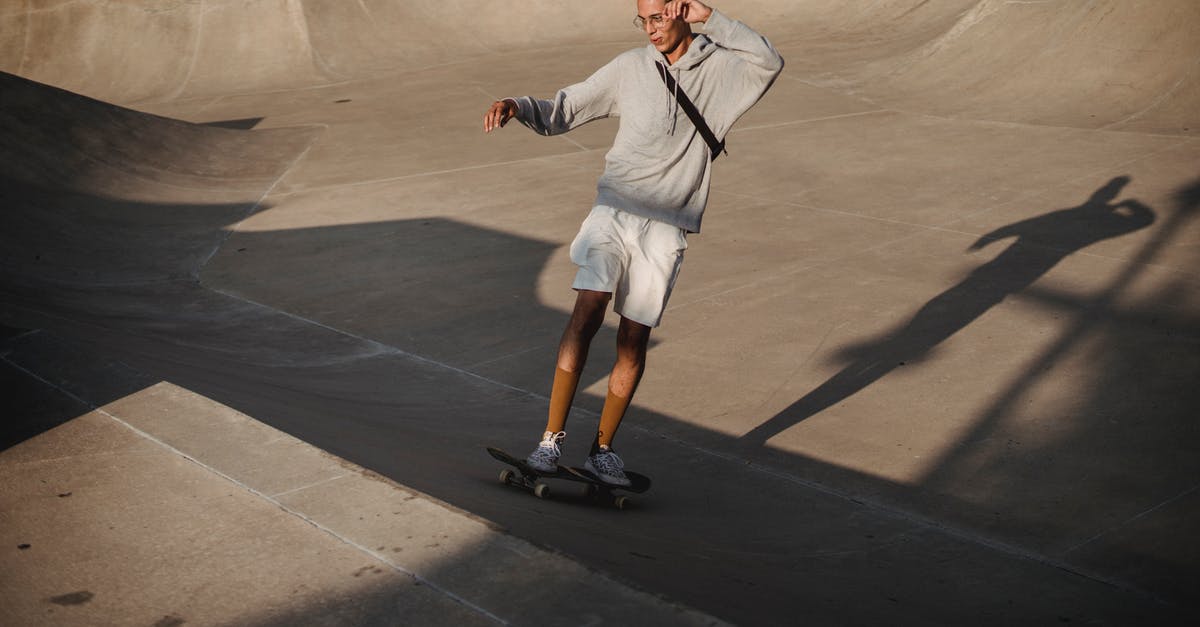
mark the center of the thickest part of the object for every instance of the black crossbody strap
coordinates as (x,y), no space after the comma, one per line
(715,146)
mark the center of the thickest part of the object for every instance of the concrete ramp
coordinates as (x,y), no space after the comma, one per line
(81,176)
(933,360)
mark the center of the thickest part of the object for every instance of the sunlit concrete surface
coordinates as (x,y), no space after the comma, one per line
(932,360)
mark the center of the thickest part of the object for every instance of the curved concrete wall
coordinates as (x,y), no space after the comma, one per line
(1090,63)
(84,181)
(1116,64)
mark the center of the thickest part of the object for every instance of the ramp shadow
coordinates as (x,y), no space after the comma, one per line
(457,294)
(243,124)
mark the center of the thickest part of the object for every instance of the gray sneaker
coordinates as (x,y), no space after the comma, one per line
(608,467)
(544,458)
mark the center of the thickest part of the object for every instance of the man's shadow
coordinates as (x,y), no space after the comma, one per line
(1041,243)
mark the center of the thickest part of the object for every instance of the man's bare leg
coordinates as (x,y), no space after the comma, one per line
(590,307)
(632,341)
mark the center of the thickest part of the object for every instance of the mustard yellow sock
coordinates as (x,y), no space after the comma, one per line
(610,419)
(562,394)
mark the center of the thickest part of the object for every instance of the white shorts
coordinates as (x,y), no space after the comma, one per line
(634,258)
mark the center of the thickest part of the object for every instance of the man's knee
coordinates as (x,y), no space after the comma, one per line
(633,337)
(591,299)
(591,305)
(588,315)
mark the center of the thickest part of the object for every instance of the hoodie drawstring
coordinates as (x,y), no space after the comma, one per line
(673,96)
(675,100)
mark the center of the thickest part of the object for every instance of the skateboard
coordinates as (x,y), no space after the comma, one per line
(531,480)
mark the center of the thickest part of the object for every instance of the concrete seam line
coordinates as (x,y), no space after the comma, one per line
(265,497)
(311,485)
(793,271)
(1170,91)
(1011,124)
(480,364)
(380,346)
(197,42)
(227,233)
(385,349)
(563,136)
(242,94)
(139,176)
(951,118)
(743,129)
(388,349)
(24,334)
(1132,519)
(405,177)
(25,42)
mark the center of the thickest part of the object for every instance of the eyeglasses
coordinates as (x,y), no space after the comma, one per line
(657,21)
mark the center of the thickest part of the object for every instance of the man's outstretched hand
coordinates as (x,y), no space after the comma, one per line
(501,112)
(691,11)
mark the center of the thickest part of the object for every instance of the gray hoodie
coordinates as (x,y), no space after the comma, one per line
(659,165)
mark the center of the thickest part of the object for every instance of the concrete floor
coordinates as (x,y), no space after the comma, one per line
(933,358)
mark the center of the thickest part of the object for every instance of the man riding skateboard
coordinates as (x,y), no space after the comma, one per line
(652,194)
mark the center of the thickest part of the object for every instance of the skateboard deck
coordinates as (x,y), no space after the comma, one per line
(531,480)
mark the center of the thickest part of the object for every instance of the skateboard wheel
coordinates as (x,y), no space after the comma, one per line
(621,502)
(590,491)
(541,490)
(506,476)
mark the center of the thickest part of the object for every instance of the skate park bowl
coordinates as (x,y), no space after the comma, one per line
(933,359)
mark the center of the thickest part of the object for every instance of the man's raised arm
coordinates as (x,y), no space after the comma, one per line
(571,107)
